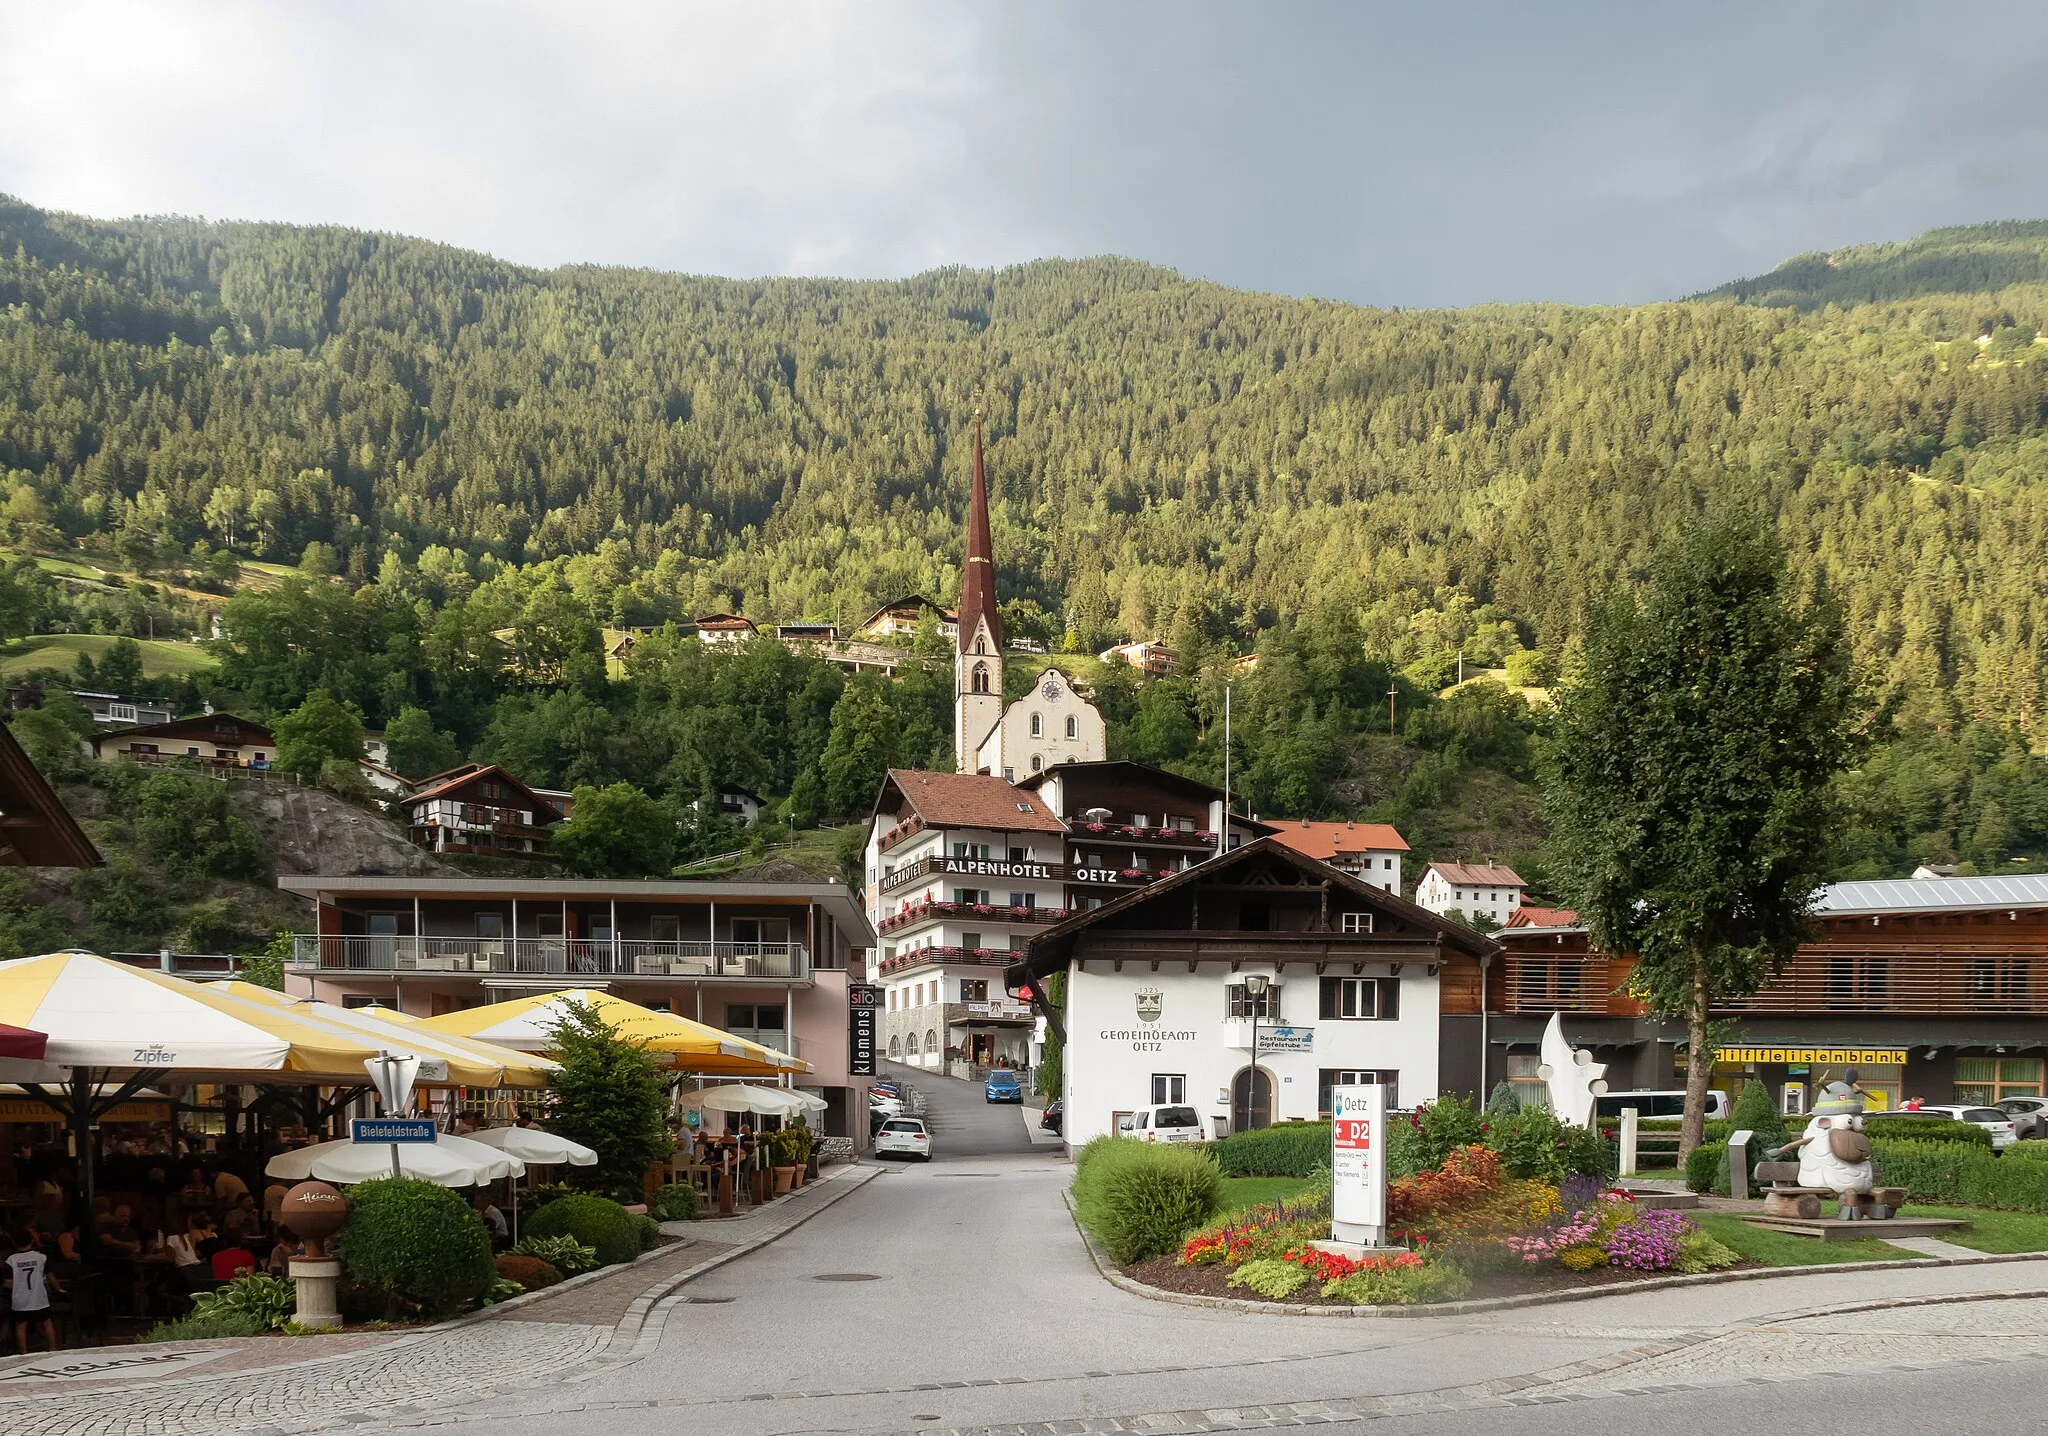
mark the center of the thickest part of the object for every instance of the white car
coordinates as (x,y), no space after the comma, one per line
(904,1136)
(887,1106)
(1998,1123)
(1168,1123)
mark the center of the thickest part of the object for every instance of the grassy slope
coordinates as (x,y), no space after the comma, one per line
(61,650)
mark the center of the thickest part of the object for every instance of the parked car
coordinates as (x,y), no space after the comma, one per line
(904,1137)
(887,1105)
(1657,1104)
(1167,1123)
(2029,1117)
(1002,1086)
(1998,1123)
(1055,1116)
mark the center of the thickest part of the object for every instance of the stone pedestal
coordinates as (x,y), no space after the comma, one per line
(317,1280)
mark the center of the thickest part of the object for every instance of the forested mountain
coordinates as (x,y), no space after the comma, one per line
(1979,259)
(474,466)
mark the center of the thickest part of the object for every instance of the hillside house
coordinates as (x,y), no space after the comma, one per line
(480,809)
(215,741)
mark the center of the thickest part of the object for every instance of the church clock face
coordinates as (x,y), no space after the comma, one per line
(1051,690)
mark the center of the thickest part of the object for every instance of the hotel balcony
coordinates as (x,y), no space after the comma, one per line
(315,954)
(947,956)
(977,911)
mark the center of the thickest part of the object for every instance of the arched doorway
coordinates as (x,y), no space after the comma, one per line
(1251,1099)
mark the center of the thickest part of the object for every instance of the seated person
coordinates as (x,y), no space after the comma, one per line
(493,1219)
(286,1247)
(232,1261)
(228,1188)
(197,1191)
(192,1251)
(117,1237)
(243,1222)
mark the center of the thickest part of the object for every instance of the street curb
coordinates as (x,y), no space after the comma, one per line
(647,1317)
(1108,1272)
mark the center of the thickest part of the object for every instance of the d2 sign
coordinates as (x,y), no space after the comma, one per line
(1358,1165)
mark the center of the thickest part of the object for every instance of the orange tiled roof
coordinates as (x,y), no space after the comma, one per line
(1542,917)
(1327,840)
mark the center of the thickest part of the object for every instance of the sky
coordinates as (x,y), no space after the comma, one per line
(1390,154)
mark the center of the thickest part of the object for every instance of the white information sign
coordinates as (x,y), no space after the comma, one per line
(1358,1165)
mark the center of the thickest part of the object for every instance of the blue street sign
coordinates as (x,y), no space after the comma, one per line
(385,1130)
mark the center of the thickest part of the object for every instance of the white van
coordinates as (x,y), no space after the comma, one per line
(1170,1122)
(1657,1104)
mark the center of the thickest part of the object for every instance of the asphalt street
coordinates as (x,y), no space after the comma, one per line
(956,1296)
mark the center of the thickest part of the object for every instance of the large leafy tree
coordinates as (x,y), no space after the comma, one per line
(617,832)
(320,728)
(1691,781)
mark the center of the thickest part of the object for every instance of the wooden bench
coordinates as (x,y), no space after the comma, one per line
(1786,1198)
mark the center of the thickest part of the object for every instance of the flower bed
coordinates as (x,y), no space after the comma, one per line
(1468,1226)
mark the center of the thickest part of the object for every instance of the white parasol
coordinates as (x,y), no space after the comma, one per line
(450,1162)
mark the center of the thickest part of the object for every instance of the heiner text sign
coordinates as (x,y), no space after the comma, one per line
(1358,1165)
(863,1000)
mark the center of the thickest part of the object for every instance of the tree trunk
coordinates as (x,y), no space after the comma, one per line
(1699,1064)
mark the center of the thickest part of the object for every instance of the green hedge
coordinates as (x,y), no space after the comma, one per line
(594,1221)
(1140,1199)
(1291,1149)
(1706,1168)
(2034,1150)
(1926,1129)
(1943,1173)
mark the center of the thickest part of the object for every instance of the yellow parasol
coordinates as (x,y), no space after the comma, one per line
(444,1060)
(527,1023)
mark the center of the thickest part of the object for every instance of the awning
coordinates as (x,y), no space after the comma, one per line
(527,1023)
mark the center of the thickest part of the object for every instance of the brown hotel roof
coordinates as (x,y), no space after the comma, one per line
(967,800)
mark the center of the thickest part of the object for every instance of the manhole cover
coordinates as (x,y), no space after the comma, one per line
(706,1300)
(847,1276)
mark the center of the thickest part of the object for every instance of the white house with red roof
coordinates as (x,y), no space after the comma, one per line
(1489,890)
(1368,851)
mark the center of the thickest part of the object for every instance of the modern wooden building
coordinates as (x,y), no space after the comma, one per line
(1934,988)
(217,741)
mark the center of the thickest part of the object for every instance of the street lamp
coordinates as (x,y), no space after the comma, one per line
(1255,984)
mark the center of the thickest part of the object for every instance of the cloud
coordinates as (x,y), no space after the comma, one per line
(1383,153)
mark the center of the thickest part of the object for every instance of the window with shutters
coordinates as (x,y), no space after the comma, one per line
(1236,1004)
(1329,1077)
(1360,999)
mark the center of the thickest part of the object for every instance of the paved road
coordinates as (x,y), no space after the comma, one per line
(956,1296)
(963,1122)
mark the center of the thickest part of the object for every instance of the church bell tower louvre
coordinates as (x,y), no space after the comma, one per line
(978,665)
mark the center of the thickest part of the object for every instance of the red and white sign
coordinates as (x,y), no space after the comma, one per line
(1358,1165)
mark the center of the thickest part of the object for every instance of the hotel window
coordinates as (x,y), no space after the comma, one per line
(1355,922)
(974,989)
(1364,999)
(1023,899)
(1237,1005)
(1987,1080)
(969,941)
(1169,1087)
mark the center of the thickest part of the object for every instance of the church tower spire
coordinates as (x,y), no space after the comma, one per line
(978,666)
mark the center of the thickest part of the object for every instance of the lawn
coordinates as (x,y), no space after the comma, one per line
(1991,1231)
(61,650)
(1782,1249)
(1242,1192)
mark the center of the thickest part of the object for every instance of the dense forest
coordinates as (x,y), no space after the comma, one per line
(451,474)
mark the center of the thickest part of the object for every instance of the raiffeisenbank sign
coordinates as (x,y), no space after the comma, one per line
(1150,1035)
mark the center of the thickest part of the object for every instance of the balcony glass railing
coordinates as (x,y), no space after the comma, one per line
(551,956)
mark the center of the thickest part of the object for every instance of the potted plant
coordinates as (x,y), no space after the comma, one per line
(810,1140)
(782,1152)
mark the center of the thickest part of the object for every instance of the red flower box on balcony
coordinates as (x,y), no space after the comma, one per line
(1096,827)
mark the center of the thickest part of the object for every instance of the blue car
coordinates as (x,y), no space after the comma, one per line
(1002,1087)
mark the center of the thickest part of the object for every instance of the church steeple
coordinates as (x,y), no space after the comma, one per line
(978,666)
(978,578)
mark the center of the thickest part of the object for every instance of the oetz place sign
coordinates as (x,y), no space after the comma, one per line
(1815,1056)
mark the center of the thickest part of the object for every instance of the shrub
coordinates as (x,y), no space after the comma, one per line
(1946,1172)
(594,1221)
(1755,1111)
(1140,1199)
(2029,1151)
(647,1229)
(607,1094)
(1698,1252)
(1393,1285)
(1927,1129)
(1441,1128)
(1270,1277)
(1706,1168)
(1529,1143)
(267,1299)
(1291,1149)
(566,1255)
(675,1202)
(415,1243)
(206,1328)
(530,1272)
(1586,1153)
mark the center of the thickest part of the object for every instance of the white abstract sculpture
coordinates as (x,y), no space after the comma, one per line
(1573,1077)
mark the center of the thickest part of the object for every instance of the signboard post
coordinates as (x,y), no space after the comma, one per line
(1358,1166)
(863,1001)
